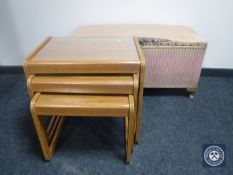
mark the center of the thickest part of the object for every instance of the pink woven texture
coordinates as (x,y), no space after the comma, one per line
(173,67)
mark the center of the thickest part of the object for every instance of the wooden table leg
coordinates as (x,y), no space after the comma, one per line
(141,88)
(130,137)
(135,94)
(48,137)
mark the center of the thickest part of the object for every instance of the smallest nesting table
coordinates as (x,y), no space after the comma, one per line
(85,77)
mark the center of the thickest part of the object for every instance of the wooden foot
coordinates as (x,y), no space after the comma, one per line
(191,92)
(191,96)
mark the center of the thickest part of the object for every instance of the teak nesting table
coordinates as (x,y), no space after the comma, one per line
(85,77)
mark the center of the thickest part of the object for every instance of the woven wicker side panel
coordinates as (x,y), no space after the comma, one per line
(174,67)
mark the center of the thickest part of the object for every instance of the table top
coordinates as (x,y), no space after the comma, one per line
(84,55)
(88,49)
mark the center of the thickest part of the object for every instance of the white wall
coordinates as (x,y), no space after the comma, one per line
(24,23)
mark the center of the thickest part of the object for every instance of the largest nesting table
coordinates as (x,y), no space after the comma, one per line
(107,66)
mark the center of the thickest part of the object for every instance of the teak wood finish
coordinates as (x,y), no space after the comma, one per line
(83,84)
(33,53)
(83,55)
(61,65)
(140,89)
(79,105)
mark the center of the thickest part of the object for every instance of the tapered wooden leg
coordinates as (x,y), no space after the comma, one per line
(140,90)
(48,138)
(191,92)
(126,121)
(139,116)
(132,119)
(130,137)
(135,95)
(128,143)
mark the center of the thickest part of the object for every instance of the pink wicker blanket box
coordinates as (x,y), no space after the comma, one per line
(174,54)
